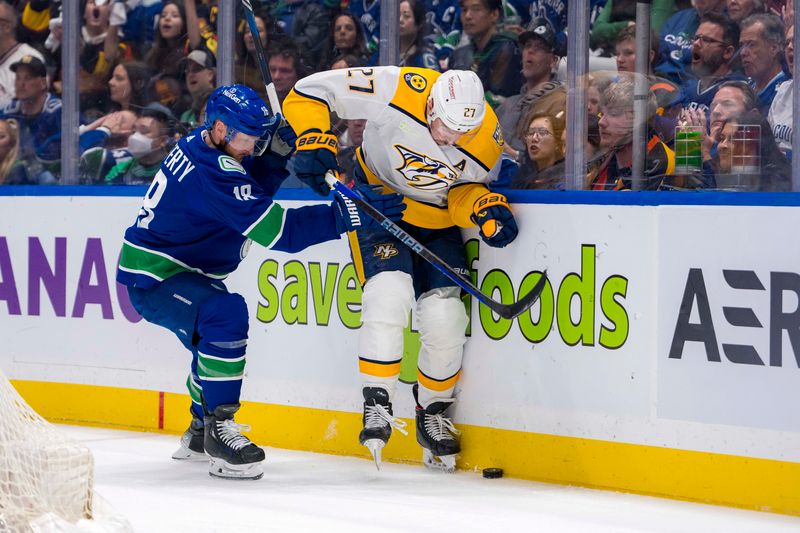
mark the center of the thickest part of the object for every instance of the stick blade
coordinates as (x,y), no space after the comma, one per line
(511,311)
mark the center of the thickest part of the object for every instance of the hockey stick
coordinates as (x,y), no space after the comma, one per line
(508,311)
(261,57)
(504,310)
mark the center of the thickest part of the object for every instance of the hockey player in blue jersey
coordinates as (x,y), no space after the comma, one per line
(209,201)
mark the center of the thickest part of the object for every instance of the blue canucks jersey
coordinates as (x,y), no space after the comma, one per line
(444,22)
(692,97)
(40,134)
(202,211)
(369,13)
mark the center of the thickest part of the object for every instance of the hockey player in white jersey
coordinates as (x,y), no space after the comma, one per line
(433,139)
(210,200)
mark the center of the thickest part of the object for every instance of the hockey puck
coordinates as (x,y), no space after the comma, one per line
(492,473)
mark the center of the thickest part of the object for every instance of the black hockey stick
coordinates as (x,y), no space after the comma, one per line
(261,58)
(504,310)
(508,311)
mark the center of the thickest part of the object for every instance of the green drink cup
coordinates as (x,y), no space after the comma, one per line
(688,155)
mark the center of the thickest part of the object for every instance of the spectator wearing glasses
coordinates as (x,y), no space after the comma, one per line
(714,46)
(676,40)
(11,51)
(780,112)
(762,40)
(542,166)
(541,92)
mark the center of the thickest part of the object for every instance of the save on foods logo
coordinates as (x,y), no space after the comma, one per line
(316,293)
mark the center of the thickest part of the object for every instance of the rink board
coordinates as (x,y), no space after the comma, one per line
(661,359)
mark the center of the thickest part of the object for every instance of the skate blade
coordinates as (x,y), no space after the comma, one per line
(224,470)
(375,446)
(185,454)
(441,463)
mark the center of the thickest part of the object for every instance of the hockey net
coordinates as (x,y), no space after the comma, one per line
(42,471)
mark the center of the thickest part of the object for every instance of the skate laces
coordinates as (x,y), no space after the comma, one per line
(439,427)
(230,433)
(378,416)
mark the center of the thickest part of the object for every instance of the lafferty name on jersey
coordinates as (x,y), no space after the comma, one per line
(177,163)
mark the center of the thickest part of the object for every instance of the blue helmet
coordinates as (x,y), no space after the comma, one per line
(241,110)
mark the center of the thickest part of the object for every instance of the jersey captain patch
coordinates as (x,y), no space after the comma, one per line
(415,81)
(424,172)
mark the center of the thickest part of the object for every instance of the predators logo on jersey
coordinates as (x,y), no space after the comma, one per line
(415,81)
(423,172)
(385,251)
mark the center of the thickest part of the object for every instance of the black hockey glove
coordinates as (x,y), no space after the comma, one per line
(316,155)
(495,220)
(350,218)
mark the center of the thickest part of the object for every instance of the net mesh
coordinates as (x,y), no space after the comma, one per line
(41,470)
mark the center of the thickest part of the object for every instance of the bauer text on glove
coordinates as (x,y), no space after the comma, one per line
(316,155)
(495,220)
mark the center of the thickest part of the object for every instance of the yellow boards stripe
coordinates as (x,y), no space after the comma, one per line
(378,368)
(751,483)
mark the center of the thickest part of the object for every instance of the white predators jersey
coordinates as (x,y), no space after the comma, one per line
(398,150)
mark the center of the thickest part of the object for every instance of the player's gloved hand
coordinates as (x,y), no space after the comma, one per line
(350,218)
(495,220)
(283,140)
(316,154)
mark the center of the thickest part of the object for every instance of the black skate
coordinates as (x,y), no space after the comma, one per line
(436,434)
(232,454)
(192,448)
(378,422)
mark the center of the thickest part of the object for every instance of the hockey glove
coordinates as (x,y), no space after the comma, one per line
(316,154)
(495,220)
(350,218)
(283,140)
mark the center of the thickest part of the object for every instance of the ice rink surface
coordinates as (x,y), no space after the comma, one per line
(314,493)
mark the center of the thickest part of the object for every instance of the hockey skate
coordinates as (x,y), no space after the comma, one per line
(192,448)
(378,422)
(232,454)
(436,434)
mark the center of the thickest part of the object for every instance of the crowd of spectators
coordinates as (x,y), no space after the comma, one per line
(719,68)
